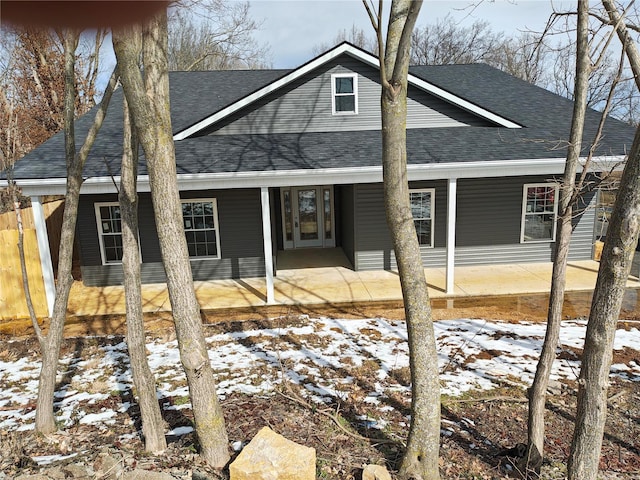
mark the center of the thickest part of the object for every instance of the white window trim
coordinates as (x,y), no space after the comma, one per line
(101,233)
(525,188)
(216,226)
(354,76)
(432,192)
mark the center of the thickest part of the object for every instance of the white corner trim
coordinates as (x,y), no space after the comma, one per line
(42,237)
(452,198)
(268,247)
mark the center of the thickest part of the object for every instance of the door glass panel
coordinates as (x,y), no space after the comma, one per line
(288,228)
(326,193)
(308,210)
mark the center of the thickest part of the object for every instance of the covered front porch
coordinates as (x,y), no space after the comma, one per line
(324,276)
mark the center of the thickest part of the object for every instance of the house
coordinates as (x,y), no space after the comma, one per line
(272,160)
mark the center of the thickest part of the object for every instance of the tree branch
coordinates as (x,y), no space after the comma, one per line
(99,118)
(404,45)
(376,22)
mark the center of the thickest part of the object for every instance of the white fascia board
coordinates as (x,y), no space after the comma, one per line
(288,178)
(39,187)
(496,168)
(439,92)
(461,102)
(505,168)
(267,89)
(327,176)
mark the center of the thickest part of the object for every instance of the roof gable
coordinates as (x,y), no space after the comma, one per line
(342,49)
(305,105)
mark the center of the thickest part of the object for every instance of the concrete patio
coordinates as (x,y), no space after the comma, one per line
(326,278)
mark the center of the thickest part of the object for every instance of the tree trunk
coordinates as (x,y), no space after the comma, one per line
(615,265)
(143,379)
(423,445)
(153,124)
(45,422)
(420,461)
(537,395)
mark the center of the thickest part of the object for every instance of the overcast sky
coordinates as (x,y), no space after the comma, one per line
(294,27)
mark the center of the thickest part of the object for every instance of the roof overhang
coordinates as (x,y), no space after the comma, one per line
(367,58)
(326,176)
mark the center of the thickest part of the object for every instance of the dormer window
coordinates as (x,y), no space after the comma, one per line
(344,90)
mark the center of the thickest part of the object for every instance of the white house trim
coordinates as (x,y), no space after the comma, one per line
(335,94)
(452,187)
(268,247)
(45,253)
(326,176)
(321,60)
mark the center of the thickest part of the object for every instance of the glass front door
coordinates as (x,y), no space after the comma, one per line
(307,214)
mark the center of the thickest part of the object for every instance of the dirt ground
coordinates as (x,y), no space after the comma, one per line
(476,429)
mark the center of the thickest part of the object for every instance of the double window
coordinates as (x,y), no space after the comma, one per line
(422,210)
(199,219)
(539,212)
(344,93)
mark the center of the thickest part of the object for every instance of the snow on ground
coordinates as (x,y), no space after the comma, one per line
(328,359)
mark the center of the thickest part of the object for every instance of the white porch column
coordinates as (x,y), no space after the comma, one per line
(268,248)
(45,253)
(452,186)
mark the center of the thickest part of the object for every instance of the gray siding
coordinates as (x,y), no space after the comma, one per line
(374,249)
(241,246)
(489,220)
(487,230)
(305,106)
(347,220)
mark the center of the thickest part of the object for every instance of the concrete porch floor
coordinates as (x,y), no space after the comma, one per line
(329,279)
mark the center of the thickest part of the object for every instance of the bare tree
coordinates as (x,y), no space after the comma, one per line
(568,195)
(153,125)
(143,379)
(615,264)
(356,36)
(446,42)
(560,65)
(420,460)
(50,344)
(11,138)
(213,35)
(32,81)
(524,56)
(543,58)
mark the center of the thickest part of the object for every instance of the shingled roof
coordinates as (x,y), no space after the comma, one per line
(545,119)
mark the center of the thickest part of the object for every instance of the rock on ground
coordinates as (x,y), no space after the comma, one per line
(375,472)
(270,456)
